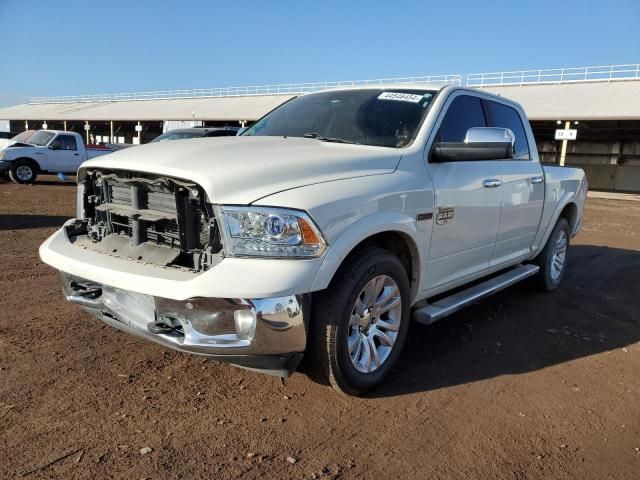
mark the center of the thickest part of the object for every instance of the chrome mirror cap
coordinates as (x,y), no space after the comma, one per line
(490,135)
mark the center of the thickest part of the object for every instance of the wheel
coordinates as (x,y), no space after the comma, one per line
(360,323)
(23,171)
(553,258)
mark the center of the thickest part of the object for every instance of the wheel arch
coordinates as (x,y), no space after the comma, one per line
(400,239)
(570,214)
(567,209)
(30,160)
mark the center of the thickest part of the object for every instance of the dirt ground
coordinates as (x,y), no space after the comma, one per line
(522,385)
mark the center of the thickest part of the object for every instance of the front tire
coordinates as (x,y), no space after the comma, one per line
(359,324)
(23,171)
(553,258)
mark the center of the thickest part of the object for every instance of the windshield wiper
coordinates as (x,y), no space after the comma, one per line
(317,136)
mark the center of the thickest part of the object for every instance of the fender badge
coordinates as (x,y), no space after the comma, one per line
(424,216)
(444,215)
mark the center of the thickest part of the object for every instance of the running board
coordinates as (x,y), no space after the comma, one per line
(444,307)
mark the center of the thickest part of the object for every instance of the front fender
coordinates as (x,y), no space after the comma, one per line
(364,228)
(15,154)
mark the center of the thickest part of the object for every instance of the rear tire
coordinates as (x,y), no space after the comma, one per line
(23,171)
(359,324)
(553,258)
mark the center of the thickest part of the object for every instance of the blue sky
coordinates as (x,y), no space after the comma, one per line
(68,47)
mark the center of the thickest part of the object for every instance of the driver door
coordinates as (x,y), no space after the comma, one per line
(62,154)
(468,201)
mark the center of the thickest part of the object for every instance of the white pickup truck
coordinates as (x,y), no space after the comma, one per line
(53,151)
(322,231)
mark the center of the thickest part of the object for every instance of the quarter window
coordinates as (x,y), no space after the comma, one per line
(504,116)
(464,113)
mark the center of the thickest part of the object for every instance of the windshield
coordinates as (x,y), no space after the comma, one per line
(41,138)
(367,116)
(23,136)
(177,136)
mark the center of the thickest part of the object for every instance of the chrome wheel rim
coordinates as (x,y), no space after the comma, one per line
(24,173)
(374,324)
(559,255)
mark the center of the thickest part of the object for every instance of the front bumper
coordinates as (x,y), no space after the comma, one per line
(5,165)
(204,326)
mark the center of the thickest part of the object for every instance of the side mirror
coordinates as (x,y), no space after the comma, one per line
(480,143)
(55,145)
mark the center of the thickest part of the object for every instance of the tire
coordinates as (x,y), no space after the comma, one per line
(553,258)
(333,357)
(23,171)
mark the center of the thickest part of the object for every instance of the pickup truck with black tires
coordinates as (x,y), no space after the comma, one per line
(46,151)
(317,237)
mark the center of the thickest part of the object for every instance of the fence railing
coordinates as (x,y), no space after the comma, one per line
(277,89)
(606,73)
(555,75)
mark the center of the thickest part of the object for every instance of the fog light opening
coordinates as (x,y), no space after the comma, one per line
(245,321)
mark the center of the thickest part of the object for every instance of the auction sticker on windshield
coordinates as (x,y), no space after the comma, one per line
(401,97)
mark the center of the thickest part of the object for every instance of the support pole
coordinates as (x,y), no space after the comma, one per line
(65,125)
(86,129)
(139,132)
(26,124)
(563,152)
(111,136)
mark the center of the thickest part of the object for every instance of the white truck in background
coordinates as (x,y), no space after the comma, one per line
(46,151)
(321,231)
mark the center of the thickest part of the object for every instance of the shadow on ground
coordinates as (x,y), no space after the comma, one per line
(522,329)
(26,222)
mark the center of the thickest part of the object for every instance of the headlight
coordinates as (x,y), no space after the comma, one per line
(269,232)
(2,155)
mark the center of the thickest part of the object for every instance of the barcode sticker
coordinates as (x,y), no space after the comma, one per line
(401,97)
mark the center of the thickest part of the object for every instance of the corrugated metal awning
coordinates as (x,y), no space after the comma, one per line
(619,100)
(215,108)
(576,101)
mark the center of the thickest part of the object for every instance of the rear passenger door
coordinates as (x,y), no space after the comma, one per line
(468,198)
(522,187)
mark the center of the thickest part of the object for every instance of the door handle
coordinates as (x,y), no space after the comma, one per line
(538,179)
(76,154)
(491,183)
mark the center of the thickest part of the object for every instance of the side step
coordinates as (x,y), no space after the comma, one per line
(444,307)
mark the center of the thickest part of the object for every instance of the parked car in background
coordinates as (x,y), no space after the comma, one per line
(196,132)
(183,134)
(321,231)
(46,151)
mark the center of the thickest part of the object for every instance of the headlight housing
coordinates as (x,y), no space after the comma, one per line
(269,232)
(2,155)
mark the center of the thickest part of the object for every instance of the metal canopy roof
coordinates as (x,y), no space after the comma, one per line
(215,108)
(576,101)
(595,100)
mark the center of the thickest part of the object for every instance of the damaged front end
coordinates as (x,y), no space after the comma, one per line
(146,218)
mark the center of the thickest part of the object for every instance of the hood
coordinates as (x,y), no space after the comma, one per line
(241,170)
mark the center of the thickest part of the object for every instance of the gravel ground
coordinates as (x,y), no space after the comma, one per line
(522,385)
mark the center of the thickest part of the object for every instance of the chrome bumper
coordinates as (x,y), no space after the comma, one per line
(273,341)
